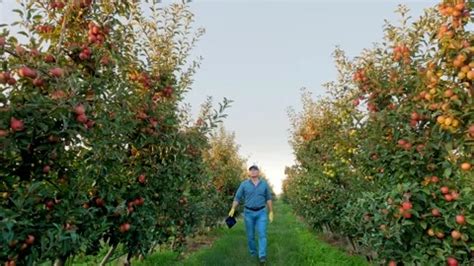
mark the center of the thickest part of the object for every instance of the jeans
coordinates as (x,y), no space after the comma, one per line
(259,220)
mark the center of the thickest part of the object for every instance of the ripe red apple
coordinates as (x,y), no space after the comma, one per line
(142,179)
(124,227)
(434,179)
(81,118)
(392,263)
(139,201)
(10,263)
(436,212)
(79,109)
(448,197)
(49,58)
(415,116)
(49,204)
(455,234)
(402,142)
(56,72)
(168,91)
(3,133)
(26,72)
(407,215)
(16,124)
(99,202)
(46,169)
(407,205)
(38,82)
(30,239)
(444,190)
(452,261)
(460,219)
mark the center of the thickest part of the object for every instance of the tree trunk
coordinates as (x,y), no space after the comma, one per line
(60,261)
(108,255)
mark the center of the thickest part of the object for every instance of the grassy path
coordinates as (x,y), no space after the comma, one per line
(289,243)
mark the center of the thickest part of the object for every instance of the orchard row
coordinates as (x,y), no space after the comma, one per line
(96,151)
(386,159)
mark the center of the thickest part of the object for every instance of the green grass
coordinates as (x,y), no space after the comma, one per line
(290,242)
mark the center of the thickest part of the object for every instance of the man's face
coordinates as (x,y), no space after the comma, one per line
(254,173)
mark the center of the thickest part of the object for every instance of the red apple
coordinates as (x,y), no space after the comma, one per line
(38,82)
(56,72)
(435,212)
(30,239)
(142,179)
(81,118)
(3,133)
(402,142)
(99,202)
(2,41)
(46,169)
(460,219)
(49,58)
(452,261)
(455,234)
(434,179)
(16,124)
(26,72)
(448,197)
(444,190)
(49,204)
(124,227)
(79,109)
(407,205)
(415,116)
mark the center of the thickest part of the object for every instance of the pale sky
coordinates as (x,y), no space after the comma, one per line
(261,53)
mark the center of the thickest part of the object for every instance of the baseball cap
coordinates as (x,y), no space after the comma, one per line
(253,167)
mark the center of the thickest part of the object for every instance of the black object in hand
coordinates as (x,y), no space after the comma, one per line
(230,221)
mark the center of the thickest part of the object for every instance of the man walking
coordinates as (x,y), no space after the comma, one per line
(256,195)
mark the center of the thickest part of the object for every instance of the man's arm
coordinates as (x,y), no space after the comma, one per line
(270,205)
(237,198)
(268,197)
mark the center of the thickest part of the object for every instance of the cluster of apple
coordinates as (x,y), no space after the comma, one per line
(97,34)
(401,52)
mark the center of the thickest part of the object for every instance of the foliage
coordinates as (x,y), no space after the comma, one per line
(386,158)
(95,151)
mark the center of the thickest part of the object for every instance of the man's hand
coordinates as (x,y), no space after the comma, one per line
(270,216)
(231,212)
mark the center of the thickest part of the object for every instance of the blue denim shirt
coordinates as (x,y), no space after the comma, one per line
(254,196)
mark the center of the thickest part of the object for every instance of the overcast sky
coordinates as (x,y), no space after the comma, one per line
(261,53)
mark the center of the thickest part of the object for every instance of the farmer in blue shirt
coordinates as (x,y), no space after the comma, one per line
(256,195)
